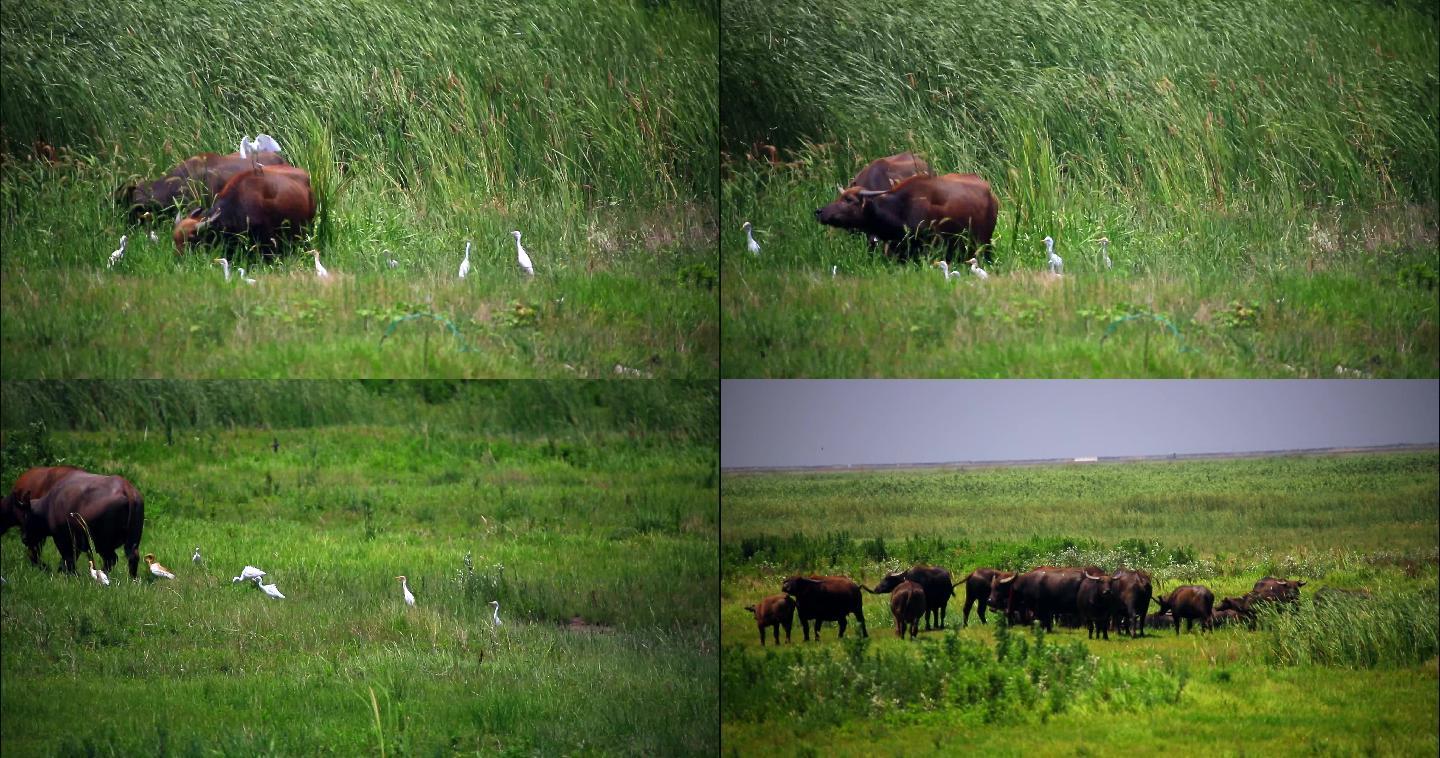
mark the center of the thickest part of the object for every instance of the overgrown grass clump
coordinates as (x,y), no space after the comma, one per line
(1391,629)
(1264,171)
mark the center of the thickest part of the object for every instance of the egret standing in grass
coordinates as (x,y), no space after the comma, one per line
(224,264)
(195,559)
(244,278)
(98,575)
(750,243)
(156,570)
(270,590)
(405,587)
(522,257)
(495,604)
(118,254)
(945,269)
(1104,246)
(390,259)
(319,269)
(833,269)
(465,264)
(976,270)
(249,573)
(1056,264)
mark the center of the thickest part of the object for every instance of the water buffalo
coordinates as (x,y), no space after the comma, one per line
(192,183)
(938,589)
(1045,592)
(907,605)
(884,173)
(825,598)
(1095,603)
(774,611)
(1276,590)
(265,205)
(1158,619)
(957,210)
(112,509)
(1225,618)
(1190,602)
(31,485)
(1132,599)
(977,590)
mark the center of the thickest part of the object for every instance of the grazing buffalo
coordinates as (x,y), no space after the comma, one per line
(907,605)
(1271,589)
(938,590)
(192,183)
(31,485)
(112,510)
(1189,602)
(1095,603)
(957,210)
(1157,620)
(774,611)
(1132,600)
(825,598)
(977,590)
(264,205)
(1225,618)
(884,173)
(1045,592)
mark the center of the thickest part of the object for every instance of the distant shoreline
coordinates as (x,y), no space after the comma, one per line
(1079,461)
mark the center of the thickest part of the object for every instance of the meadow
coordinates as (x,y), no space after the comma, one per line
(590,128)
(1264,170)
(587,509)
(1353,678)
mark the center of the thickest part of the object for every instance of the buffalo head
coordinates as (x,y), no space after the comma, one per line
(848,210)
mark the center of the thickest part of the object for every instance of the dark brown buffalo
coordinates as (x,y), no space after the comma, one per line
(1225,618)
(111,507)
(1189,602)
(265,205)
(907,605)
(884,173)
(825,598)
(957,210)
(1271,589)
(1095,603)
(978,589)
(1132,599)
(1158,620)
(1044,592)
(938,590)
(31,485)
(774,611)
(192,183)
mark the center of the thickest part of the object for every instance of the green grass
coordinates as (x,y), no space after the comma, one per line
(1340,680)
(608,521)
(589,128)
(1264,171)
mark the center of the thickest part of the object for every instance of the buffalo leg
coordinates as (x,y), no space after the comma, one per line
(762,636)
(787,633)
(805,628)
(860,616)
(842,627)
(107,560)
(66,549)
(776,628)
(965,616)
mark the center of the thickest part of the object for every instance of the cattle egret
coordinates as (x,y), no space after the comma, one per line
(465,264)
(750,243)
(833,269)
(153,237)
(118,254)
(248,573)
(390,259)
(319,269)
(945,269)
(405,587)
(496,605)
(244,278)
(975,269)
(196,557)
(224,264)
(264,143)
(522,257)
(156,569)
(98,575)
(1104,256)
(1056,264)
(270,590)
(245,147)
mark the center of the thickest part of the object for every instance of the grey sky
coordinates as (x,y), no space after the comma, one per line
(786,423)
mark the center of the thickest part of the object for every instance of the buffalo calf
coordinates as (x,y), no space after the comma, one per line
(774,611)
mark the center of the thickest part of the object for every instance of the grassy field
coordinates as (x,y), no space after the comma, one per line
(1265,172)
(590,128)
(1360,679)
(592,522)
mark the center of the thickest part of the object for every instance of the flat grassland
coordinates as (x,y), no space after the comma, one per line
(1264,170)
(589,128)
(587,511)
(1357,678)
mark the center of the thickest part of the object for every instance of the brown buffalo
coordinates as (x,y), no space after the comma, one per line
(1225,618)
(907,605)
(1189,602)
(774,611)
(110,506)
(956,210)
(825,598)
(191,184)
(31,485)
(1132,599)
(938,590)
(1095,603)
(265,205)
(977,590)
(1044,593)
(884,173)
(1271,589)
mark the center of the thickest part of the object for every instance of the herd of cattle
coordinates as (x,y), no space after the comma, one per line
(45,502)
(1087,597)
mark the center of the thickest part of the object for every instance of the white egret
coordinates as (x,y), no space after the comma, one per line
(976,270)
(247,574)
(522,257)
(118,254)
(153,237)
(390,259)
(945,269)
(246,146)
(264,143)
(1104,245)
(244,278)
(98,575)
(833,269)
(1056,264)
(156,569)
(195,559)
(270,590)
(319,269)
(750,243)
(496,605)
(224,264)
(465,264)
(405,587)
